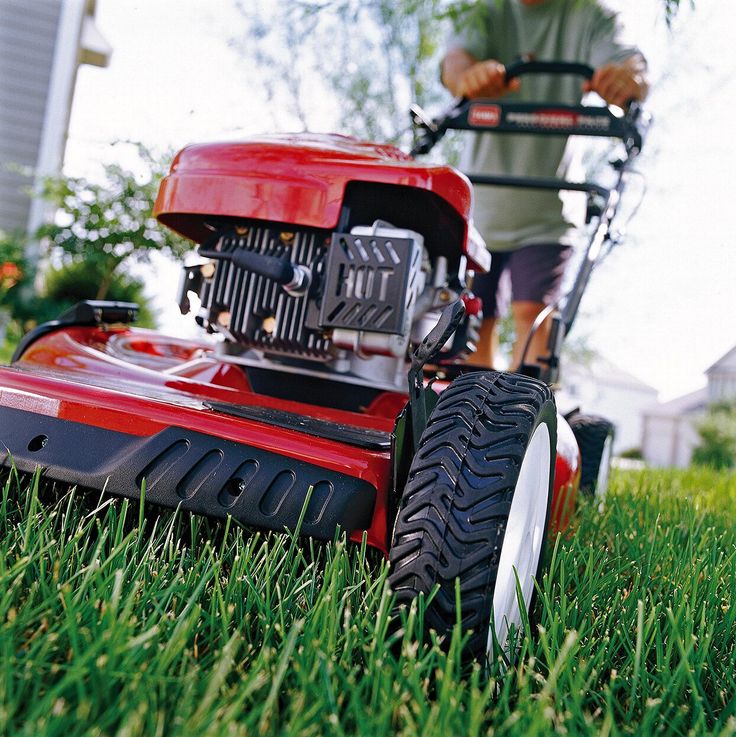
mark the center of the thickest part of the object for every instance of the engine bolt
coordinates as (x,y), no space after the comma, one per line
(286,237)
(241,230)
(269,325)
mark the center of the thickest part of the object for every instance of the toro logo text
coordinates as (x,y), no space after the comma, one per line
(484,116)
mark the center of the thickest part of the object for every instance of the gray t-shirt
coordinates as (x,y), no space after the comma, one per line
(554,30)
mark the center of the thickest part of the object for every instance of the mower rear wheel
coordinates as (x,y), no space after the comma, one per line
(595,437)
(476,506)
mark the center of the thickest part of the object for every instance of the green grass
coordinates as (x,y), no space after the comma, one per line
(118,623)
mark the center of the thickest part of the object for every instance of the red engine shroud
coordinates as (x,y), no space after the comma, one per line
(299,179)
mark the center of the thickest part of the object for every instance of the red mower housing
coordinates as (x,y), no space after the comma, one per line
(336,279)
(133,386)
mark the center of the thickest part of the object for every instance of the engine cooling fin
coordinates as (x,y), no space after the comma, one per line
(255,311)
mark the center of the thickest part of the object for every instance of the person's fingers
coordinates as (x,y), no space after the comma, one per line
(486,79)
(473,80)
(468,84)
(618,91)
(493,76)
(607,89)
(494,69)
(627,91)
(604,80)
(614,84)
(608,83)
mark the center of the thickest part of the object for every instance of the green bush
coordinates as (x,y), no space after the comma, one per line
(16,276)
(100,228)
(75,282)
(103,227)
(717,432)
(633,454)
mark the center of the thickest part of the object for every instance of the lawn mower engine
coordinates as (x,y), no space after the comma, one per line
(346,301)
(351,303)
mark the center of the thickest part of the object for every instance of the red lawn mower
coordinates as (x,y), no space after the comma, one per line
(337,275)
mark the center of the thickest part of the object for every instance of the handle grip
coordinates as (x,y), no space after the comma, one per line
(527,66)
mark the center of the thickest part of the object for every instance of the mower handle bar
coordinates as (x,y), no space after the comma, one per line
(528,65)
(538,118)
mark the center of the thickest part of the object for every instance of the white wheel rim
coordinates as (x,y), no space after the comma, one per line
(604,469)
(522,542)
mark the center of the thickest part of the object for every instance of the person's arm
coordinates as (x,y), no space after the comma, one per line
(618,83)
(465,76)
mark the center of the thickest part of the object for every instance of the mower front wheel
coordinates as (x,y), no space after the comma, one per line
(476,506)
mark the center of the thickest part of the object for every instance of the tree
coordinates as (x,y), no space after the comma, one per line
(109,224)
(372,57)
(717,433)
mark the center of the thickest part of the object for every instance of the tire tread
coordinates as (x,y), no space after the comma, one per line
(454,508)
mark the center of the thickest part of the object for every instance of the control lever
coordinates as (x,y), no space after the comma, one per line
(425,352)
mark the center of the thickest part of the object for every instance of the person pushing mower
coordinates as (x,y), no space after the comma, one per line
(529,237)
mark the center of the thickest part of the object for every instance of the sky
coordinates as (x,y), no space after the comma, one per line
(660,307)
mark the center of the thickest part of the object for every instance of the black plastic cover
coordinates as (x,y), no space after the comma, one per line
(88,312)
(201,473)
(366,283)
(360,437)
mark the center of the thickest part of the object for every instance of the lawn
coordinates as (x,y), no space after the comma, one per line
(115,622)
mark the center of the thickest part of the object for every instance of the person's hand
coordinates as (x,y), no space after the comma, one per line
(485,79)
(617,84)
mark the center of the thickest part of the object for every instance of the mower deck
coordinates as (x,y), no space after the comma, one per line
(106,408)
(195,431)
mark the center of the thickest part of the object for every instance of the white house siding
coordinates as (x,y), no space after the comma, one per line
(28,31)
(602,389)
(669,441)
(722,378)
(670,436)
(721,386)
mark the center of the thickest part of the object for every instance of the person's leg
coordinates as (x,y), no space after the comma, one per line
(487,344)
(536,281)
(525,313)
(494,290)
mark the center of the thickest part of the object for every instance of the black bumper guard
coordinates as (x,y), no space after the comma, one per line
(201,473)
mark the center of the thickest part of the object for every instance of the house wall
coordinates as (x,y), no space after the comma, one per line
(28,32)
(669,441)
(619,403)
(722,385)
